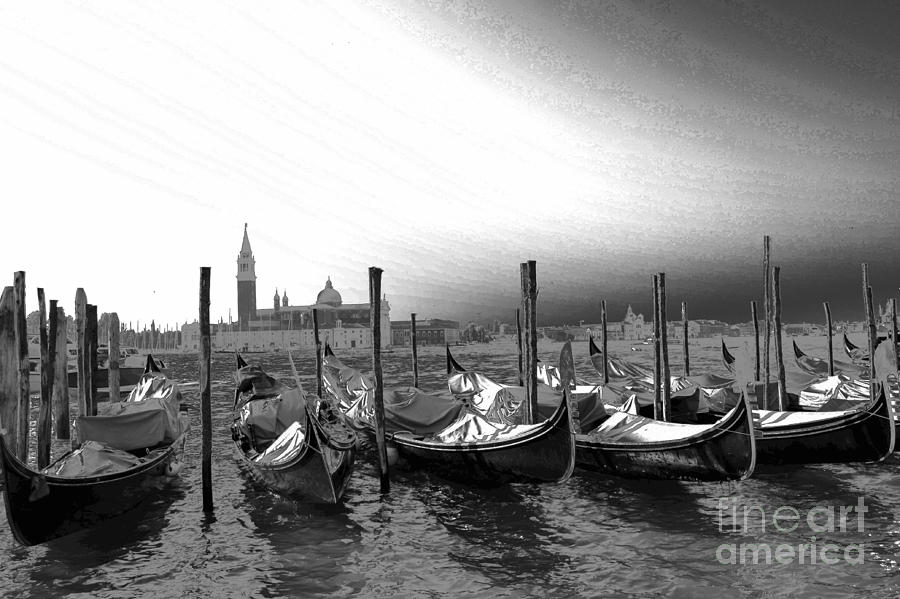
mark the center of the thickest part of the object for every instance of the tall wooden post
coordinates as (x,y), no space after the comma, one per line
(685,348)
(318,352)
(80,310)
(61,376)
(870,321)
(519,346)
(664,350)
(43,424)
(113,344)
(528,271)
(830,339)
(415,354)
(9,370)
(755,337)
(767,300)
(779,356)
(657,366)
(375,323)
(894,329)
(91,340)
(205,392)
(603,342)
(24,406)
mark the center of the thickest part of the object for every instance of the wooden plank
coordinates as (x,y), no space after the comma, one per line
(9,369)
(113,343)
(24,406)
(61,377)
(205,393)
(375,323)
(43,429)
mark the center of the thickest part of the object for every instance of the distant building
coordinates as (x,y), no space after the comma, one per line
(429,331)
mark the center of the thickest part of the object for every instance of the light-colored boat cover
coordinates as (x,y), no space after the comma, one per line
(270,417)
(288,445)
(147,418)
(622,427)
(472,427)
(92,459)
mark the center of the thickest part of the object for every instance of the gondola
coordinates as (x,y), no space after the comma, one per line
(126,452)
(470,448)
(291,443)
(630,445)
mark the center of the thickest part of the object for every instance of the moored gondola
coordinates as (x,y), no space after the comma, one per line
(126,452)
(292,444)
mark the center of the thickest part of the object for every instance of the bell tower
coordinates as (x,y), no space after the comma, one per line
(246,284)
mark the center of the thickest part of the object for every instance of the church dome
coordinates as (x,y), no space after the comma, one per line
(329,295)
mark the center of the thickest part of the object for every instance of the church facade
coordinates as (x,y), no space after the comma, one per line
(285,326)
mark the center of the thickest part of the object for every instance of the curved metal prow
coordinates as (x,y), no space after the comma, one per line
(593,350)
(150,366)
(240,361)
(328,351)
(727,357)
(453,365)
(797,353)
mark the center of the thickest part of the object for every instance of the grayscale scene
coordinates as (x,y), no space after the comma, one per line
(450,298)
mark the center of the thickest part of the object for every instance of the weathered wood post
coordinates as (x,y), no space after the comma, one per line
(657,366)
(80,318)
(415,354)
(9,370)
(113,344)
(604,339)
(767,300)
(685,348)
(528,271)
(24,405)
(894,329)
(61,376)
(375,323)
(519,346)
(830,340)
(872,333)
(755,337)
(664,348)
(205,392)
(318,352)
(43,424)
(91,340)
(779,355)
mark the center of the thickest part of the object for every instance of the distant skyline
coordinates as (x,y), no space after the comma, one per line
(446,143)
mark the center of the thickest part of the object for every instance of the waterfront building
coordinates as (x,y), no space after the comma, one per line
(429,331)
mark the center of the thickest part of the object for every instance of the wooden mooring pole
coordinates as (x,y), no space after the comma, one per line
(894,329)
(519,346)
(61,376)
(767,300)
(318,352)
(82,360)
(755,338)
(779,355)
(657,366)
(24,405)
(830,340)
(684,333)
(43,429)
(415,353)
(664,351)
(375,323)
(604,341)
(872,333)
(205,392)
(528,271)
(91,340)
(113,343)
(9,370)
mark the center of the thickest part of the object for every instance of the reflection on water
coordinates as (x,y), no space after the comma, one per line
(591,536)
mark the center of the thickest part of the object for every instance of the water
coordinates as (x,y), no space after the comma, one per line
(591,536)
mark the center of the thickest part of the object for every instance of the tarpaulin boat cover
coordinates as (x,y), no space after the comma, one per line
(289,444)
(92,459)
(269,417)
(472,427)
(410,409)
(622,427)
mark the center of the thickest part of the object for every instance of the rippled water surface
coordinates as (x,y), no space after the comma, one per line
(591,536)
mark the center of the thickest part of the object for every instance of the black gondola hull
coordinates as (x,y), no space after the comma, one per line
(546,455)
(725,452)
(40,508)
(866,435)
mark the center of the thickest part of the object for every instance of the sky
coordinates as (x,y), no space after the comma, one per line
(446,143)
